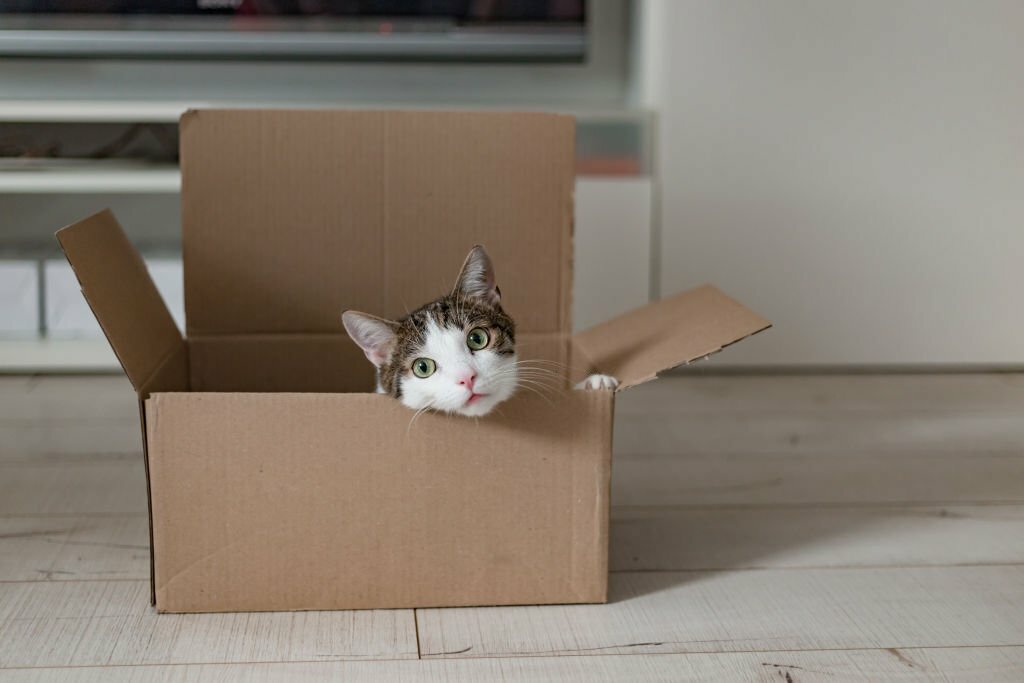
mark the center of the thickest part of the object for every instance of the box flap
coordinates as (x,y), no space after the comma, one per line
(636,346)
(291,216)
(122,295)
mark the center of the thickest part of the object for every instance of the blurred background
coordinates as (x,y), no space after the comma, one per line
(853,171)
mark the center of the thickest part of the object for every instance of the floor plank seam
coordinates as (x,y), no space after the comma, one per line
(809,567)
(70,515)
(73,420)
(685,570)
(813,505)
(547,655)
(122,579)
(633,509)
(836,413)
(416,625)
(602,651)
(722,570)
(874,451)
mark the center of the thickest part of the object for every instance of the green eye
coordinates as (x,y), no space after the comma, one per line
(477,338)
(423,367)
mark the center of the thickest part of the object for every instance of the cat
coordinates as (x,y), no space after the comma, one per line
(456,354)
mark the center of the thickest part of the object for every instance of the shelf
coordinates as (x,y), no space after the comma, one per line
(167,179)
(91,179)
(79,111)
(609,142)
(57,356)
(127,111)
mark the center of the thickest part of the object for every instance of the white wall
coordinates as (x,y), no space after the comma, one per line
(853,170)
(611,243)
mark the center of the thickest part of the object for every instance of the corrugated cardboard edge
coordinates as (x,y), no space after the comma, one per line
(165,370)
(602,506)
(119,290)
(638,345)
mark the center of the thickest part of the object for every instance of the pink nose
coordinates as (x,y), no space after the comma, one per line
(467,380)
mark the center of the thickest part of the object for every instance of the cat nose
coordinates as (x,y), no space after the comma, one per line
(467,379)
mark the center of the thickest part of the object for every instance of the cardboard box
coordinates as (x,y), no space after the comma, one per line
(276,480)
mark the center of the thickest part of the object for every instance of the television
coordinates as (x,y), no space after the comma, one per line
(370,30)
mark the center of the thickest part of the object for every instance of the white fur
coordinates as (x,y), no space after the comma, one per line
(598,382)
(496,375)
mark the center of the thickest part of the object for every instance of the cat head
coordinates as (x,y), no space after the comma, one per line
(456,354)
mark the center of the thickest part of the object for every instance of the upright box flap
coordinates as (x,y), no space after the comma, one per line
(636,346)
(290,216)
(121,294)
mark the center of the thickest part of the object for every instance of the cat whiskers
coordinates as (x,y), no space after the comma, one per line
(526,387)
(415,416)
(544,361)
(537,368)
(543,367)
(544,375)
(522,368)
(534,384)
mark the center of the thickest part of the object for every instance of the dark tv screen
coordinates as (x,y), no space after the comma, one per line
(542,30)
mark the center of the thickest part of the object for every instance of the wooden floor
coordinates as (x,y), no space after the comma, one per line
(764,528)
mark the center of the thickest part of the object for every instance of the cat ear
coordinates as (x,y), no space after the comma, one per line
(375,336)
(476,280)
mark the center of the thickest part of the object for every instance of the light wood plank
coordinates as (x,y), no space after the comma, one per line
(67,415)
(694,392)
(88,623)
(712,538)
(48,548)
(66,548)
(24,440)
(983,665)
(76,397)
(12,386)
(89,485)
(764,611)
(807,479)
(116,484)
(823,433)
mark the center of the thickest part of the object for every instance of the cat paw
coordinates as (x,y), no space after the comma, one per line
(598,382)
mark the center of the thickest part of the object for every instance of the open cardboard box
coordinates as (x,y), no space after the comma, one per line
(277,481)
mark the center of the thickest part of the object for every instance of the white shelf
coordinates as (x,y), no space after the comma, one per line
(92,180)
(79,111)
(57,355)
(127,111)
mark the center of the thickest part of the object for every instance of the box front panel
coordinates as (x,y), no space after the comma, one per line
(332,501)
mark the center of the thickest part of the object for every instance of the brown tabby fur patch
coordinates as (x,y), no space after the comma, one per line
(452,311)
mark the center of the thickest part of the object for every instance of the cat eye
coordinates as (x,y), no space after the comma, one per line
(477,338)
(423,367)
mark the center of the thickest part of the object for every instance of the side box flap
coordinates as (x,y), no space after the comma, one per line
(122,295)
(635,346)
